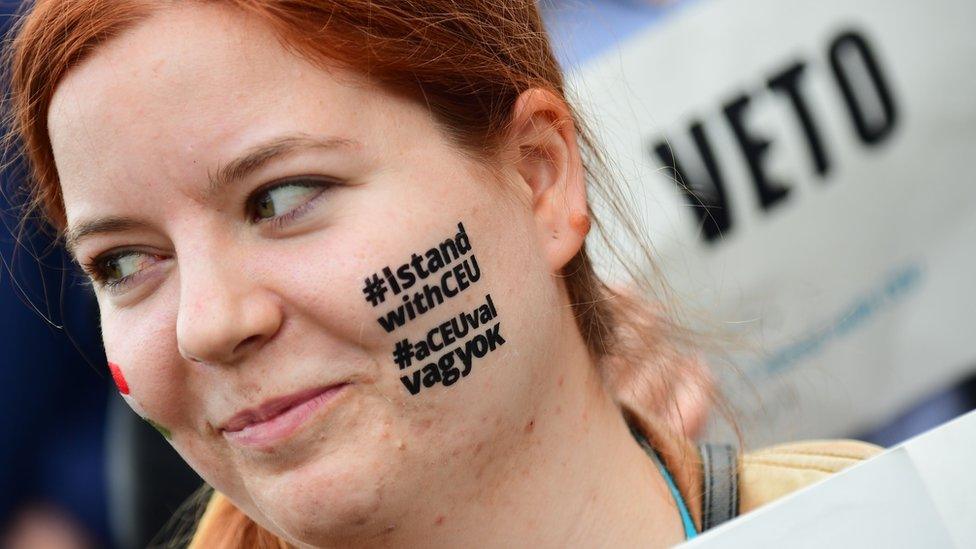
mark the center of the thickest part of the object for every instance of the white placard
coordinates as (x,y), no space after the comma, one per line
(839,135)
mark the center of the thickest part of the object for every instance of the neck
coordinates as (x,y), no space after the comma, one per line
(583,482)
(575,477)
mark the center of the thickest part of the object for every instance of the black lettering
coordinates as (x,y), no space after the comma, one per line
(788,82)
(406,276)
(479,346)
(447,332)
(754,149)
(460,278)
(484,314)
(418,266)
(408,307)
(469,321)
(412,385)
(421,350)
(495,339)
(705,196)
(392,320)
(434,346)
(450,373)
(433,295)
(432,376)
(388,274)
(464,353)
(873,112)
(434,261)
(460,329)
(418,302)
(448,291)
(449,250)
(471,267)
(463,244)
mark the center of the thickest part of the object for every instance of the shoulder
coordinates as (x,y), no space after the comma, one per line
(770,473)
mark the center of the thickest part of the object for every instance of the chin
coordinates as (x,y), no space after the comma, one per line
(330,501)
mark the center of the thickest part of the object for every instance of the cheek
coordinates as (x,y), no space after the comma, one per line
(145,366)
(419,286)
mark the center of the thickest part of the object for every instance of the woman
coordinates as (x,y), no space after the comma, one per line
(338,249)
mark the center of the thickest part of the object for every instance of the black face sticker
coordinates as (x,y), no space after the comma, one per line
(460,271)
(455,363)
(447,352)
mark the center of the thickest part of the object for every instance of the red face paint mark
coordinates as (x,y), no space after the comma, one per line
(119,378)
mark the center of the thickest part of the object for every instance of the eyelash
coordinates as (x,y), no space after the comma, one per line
(279,221)
(97,266)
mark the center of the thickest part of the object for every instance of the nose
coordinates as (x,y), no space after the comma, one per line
(224,313)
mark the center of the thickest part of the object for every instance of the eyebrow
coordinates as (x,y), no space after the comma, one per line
(104,225)
(244,165)
(259,155)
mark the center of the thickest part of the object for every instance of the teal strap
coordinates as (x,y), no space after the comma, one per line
(689,525)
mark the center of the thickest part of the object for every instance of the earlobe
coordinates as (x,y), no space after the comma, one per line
(549,164)
(580,223)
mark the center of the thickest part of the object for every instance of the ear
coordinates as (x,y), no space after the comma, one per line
(549,164)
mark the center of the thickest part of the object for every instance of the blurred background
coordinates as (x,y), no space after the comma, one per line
(801,167)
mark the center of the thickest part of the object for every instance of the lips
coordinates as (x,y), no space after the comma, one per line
(273,408)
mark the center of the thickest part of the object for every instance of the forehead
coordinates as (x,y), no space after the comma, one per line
(185,88)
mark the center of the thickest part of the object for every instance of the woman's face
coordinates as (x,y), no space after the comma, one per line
(239,204)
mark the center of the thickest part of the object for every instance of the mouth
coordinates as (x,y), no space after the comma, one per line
(277,419)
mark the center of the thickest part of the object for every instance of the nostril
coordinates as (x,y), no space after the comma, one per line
(248,341)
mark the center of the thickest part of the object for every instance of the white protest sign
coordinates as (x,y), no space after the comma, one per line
(828,147)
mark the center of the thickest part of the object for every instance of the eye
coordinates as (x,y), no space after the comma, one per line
(285,200)
(115,270)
